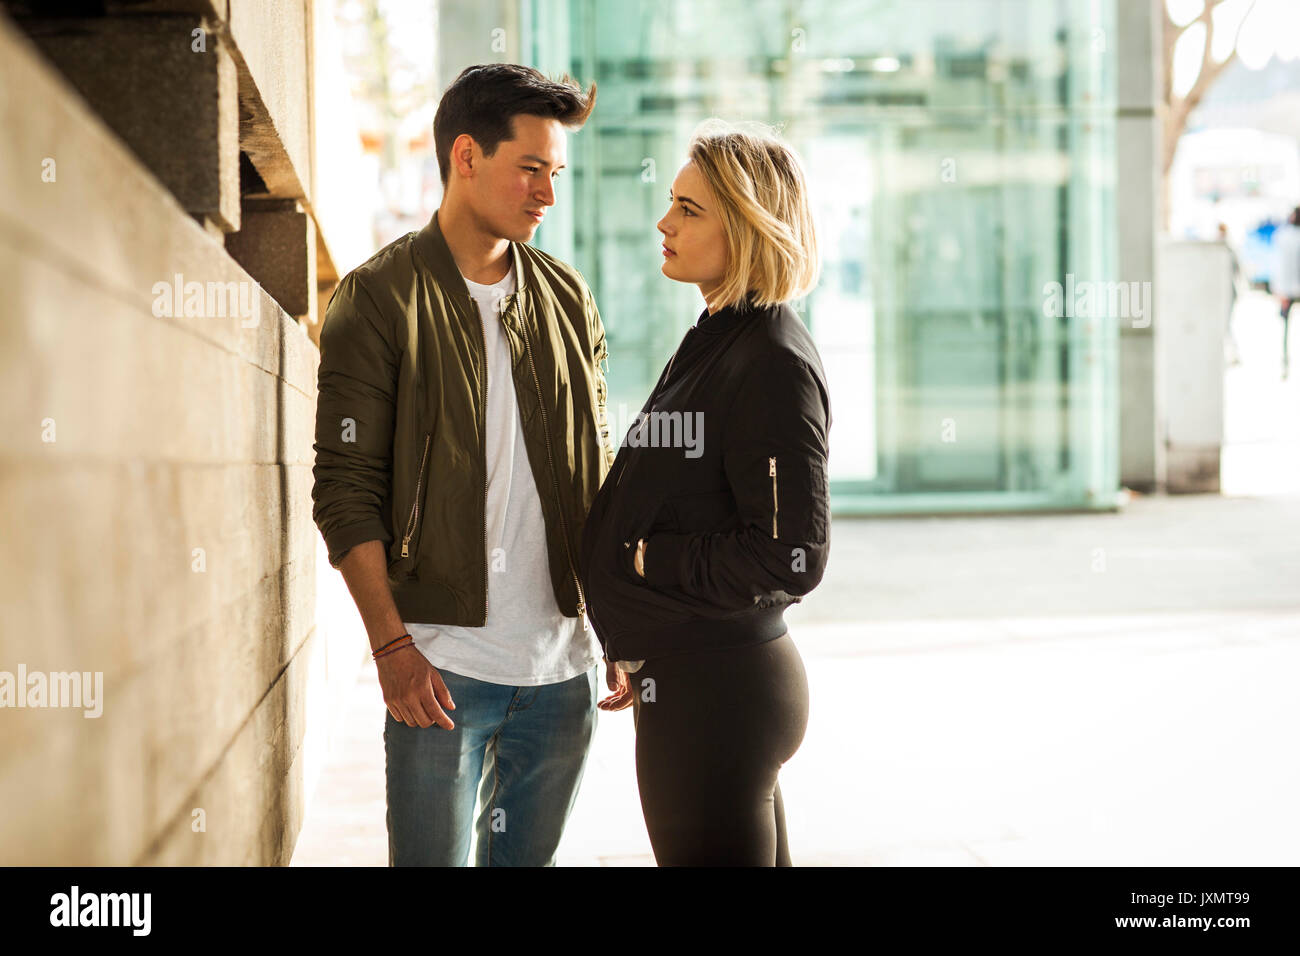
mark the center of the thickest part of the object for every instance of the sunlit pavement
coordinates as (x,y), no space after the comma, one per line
(1262,419)
(1113,689)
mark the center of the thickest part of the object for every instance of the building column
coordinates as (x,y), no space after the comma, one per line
(1137,191)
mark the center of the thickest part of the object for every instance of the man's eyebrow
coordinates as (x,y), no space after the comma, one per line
(538,159)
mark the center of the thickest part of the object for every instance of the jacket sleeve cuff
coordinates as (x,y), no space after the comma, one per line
(343,540)
(662,559)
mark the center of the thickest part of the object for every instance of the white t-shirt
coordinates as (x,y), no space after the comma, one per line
(527,640)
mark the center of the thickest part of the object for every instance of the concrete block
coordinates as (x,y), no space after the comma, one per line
(1195,302)
(271,53)
(168,87)
(276,245)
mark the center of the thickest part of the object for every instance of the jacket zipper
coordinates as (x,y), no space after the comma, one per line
(669,372)
(546,429)
(771,470)
(415,507)
(483,332)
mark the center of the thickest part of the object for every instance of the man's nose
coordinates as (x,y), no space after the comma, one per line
(546,195)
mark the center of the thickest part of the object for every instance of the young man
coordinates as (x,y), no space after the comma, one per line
(460,439)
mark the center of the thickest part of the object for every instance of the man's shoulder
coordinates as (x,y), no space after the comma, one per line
(387,261)
(564,280)
(388,269)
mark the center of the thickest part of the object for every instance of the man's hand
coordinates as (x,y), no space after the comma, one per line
(621,684)
(638,560)
(414,690)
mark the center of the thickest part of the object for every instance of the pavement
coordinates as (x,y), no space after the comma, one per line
(1110,689)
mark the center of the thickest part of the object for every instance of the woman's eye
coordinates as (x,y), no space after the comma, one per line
(687,211)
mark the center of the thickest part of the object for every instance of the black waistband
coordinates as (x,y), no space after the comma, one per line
(701,633)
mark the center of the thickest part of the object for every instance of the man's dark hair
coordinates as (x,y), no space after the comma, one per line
(484,100)
(1294,218)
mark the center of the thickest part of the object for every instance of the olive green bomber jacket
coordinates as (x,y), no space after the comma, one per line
(400,420)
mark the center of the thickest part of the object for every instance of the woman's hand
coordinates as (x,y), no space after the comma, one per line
(620,684)
(638,557)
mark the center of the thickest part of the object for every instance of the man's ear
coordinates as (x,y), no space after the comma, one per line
(464,153)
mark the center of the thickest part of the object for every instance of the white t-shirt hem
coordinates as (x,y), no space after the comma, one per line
(508,680)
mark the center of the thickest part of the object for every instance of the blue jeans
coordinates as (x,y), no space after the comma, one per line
(521,749)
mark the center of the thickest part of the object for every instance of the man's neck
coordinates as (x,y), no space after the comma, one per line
(480,256)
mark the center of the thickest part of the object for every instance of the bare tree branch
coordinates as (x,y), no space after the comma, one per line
(1178,109)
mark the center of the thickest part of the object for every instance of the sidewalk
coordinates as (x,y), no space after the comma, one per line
(1114,689)
(1262,411)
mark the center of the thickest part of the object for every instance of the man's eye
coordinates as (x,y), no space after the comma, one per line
(531,169)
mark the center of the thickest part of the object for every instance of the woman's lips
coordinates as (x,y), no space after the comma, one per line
(667,252)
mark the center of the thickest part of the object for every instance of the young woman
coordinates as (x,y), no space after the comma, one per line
(715,515)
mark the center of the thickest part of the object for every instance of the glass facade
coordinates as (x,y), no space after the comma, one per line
(961,159)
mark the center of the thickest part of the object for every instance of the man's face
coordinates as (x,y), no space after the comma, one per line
(510,191)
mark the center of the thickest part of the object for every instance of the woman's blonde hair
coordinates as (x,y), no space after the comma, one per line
(762,201)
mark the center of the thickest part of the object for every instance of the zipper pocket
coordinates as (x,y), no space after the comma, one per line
(415,505)
(771,470)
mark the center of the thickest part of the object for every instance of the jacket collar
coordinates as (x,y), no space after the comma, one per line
(433,248)
(729,317)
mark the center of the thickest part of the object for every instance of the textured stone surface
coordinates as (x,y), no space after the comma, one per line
(271,56)
(175,106)
(172,432)
(277,244)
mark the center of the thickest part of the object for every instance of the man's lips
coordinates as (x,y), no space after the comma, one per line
(536,214)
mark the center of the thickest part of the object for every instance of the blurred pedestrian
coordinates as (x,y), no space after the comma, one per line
(1233,353)
(1286,273)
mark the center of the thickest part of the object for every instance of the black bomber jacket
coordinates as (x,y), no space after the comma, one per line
(725,476)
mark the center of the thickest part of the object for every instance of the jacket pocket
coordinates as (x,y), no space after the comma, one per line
(800,505)
(646,524)
(409,540)
(771,470)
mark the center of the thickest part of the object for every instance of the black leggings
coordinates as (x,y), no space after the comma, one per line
(712,731)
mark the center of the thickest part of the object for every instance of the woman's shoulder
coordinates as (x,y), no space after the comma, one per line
(781,338)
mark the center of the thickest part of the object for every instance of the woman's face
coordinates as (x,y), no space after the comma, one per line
(694,248)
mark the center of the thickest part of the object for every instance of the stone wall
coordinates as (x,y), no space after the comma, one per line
(156,468)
